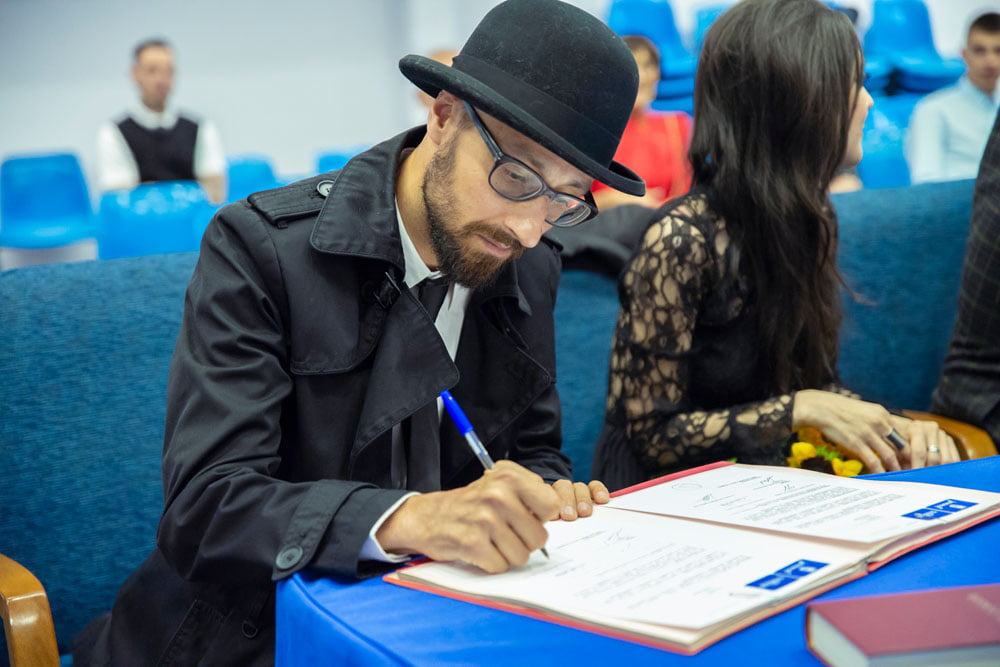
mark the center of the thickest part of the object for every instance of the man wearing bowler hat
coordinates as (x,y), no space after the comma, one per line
(303,428)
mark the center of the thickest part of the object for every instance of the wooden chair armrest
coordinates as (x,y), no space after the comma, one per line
(973,442)
(27,619)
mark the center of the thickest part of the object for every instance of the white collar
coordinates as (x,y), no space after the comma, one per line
(153,120)
(416,269)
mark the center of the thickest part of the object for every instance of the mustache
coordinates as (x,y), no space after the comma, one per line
(497,236)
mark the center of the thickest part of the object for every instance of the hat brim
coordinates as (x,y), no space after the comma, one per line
(432,77)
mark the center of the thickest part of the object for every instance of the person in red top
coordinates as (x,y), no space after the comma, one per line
(655,144)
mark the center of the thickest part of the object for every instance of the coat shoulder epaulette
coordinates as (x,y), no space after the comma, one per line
(301,199)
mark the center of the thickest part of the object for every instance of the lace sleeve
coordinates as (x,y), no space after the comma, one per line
(663,289)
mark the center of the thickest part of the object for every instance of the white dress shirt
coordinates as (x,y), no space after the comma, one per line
(116,166)
(948,131)
(449,325)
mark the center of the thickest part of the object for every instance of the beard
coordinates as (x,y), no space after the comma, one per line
(454,246)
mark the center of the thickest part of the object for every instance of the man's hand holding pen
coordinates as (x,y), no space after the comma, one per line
(493,523)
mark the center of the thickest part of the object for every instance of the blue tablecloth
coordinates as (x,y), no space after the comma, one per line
(326,621)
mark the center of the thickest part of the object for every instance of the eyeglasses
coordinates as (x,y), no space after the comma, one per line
(516,181)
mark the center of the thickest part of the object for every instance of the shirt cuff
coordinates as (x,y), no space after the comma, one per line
(371,549)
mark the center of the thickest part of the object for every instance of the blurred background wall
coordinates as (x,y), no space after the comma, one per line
(286,79)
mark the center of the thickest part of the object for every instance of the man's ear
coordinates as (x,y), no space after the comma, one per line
(442,116)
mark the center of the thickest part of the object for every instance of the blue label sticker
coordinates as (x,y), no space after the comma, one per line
(771,582)
(800,568)
(786,575)
(927,514)
(952,505)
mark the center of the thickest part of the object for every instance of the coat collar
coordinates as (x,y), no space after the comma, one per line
(359,216)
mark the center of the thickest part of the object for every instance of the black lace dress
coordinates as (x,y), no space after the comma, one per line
(686,384)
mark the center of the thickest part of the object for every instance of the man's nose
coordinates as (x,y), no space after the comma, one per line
(527,221)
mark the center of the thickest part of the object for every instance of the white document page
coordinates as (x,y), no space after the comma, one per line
(810,503)
(636,567)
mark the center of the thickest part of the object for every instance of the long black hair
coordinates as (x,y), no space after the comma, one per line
(773,101)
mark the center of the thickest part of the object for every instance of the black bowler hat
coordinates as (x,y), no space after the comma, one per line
(554,73)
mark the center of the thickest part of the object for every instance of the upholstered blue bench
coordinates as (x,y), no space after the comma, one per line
(84,354)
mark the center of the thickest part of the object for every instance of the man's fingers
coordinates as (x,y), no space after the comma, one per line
(538,497)
(584,503)
(599,492)
(567,500)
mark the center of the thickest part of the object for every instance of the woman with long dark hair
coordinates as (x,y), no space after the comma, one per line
(726,342)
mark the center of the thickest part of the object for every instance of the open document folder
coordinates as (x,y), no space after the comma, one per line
(684,560)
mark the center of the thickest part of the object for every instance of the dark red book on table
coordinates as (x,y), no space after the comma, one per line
(941,626)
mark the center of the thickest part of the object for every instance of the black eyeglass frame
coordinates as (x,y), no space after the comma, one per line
(500,158)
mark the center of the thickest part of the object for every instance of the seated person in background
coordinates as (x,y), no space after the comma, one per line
(970,382)
(303,427)
(152,142)
(726,341)
(655,144)
(948,128)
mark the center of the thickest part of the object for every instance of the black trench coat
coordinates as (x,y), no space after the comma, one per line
(300,349)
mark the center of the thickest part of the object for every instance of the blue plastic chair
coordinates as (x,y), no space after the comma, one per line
(248,174)
(153,218)
(333,159)
(704,17)
(44,202)
(900,33)
(884,163)
(654,19)
(683,103)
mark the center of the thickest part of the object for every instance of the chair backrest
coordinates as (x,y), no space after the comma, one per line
(247,174)
(902,251)
(83,373)
(332,159)
(884,162)
(586,310)
(900,27)
(704,17)
(36,188)
(153,218)
(654,19)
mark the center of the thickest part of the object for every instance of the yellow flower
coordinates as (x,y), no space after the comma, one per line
(849,468)
(803,450)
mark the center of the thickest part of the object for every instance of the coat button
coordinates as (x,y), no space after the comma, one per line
(324,187)
(289,558)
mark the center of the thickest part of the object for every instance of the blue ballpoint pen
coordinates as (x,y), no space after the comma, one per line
(465,427)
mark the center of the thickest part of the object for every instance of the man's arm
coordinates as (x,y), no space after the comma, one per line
(210,162)
(925,144)
(228,518)
(116,167)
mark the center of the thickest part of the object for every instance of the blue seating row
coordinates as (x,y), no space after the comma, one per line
(45,203)
(899,47)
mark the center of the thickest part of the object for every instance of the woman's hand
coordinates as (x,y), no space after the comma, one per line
(924,437)
(858,426)
(861,428)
